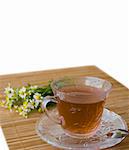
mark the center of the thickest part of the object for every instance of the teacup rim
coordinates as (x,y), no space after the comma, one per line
(81,77)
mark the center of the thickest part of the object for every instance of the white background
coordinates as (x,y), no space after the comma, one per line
(39,35)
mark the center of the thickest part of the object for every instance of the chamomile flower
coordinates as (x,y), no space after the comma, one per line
(22,92)
(37,99)
(9,92)
(30,105)
(37,96)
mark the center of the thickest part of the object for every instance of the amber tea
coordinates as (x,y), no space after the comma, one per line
(81,111)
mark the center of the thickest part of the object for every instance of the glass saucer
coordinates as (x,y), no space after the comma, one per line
(53,134)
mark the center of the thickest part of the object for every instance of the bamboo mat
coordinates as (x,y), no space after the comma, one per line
(20,133)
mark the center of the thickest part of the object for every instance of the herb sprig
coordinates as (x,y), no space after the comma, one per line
(25,99)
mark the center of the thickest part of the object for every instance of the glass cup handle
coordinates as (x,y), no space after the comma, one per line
(47,100)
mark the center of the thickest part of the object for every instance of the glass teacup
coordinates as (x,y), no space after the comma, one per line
(80,103)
